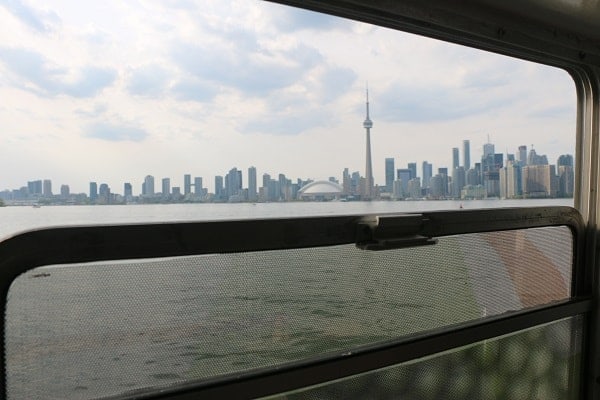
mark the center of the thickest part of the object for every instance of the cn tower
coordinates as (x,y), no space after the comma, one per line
(368,124)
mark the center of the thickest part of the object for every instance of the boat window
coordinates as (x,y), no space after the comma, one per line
(111,328)
(536,363)
(265,106)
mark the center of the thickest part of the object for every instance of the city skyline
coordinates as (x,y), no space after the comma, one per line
(169,89)
(423,170)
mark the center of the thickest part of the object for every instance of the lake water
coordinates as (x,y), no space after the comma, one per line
(17,219)
(104,329)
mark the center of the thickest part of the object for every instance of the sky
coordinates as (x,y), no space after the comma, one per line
(113,91)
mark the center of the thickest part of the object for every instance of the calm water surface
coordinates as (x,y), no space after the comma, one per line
(17,219)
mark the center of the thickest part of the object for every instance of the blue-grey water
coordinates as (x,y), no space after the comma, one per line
(16,219)
(103,329)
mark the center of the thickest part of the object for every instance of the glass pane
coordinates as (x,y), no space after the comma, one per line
(84,331)
(539,363)
(212,102)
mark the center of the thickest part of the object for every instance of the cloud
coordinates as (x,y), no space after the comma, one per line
(36,20)
(97,111)
(149,80)
(115,133)
(35,74)
(422,104)
(290,19)
(193,89)
(255,73)
(560,112)
(290,122)
(335,82)
(289,112)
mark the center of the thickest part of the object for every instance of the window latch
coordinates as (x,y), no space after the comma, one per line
(392,232)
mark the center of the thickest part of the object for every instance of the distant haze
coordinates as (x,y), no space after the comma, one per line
(113,91)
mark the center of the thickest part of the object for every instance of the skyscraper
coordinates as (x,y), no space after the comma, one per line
(219,187)
(427,173)
(466,155)
(65,190)
(522,155)
(127,190)
(565,159)
(412,166)
(488,149)
(166,186)
(404,176)
(93,191)
(389,175)
(233,183)
(455,158)
(149,185)
(34,187)
(198,189)
(443,173)
(187,184)
(47,188)
(252,191)
(368,124)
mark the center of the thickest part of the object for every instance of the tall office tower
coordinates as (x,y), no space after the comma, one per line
(233,183)
(436,186)
(488,149)
(252,190)
(403,175)
(414,188)
(427,173)
(565,159)
(539,181)
(458,181)
(127,190)
(47,187)
(93,191)
(443,173)
(389,175)
(149,185)
(346,181)
(219,187)
(65,190)
(282,182)
(455,158)
(34,187)
(566,181)
(104,193)
(412,166)
(187,184)
(522,155)
(166,186)
(466,155)
(472,176)
(536,159)
(198,189)
(368,124)
(265,180)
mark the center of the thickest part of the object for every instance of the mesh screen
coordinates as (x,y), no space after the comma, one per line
(539,363)
(91,330)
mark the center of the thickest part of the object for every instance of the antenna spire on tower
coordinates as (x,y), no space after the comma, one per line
(368,124)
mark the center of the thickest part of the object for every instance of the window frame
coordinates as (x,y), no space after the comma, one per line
(71,245)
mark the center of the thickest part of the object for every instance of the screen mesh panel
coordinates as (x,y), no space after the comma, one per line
(539,363)
(91,330)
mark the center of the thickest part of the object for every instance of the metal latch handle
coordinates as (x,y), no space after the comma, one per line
(392,232)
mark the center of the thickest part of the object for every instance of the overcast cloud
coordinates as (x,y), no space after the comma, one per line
(200,87)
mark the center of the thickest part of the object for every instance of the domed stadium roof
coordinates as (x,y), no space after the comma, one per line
(321,188)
